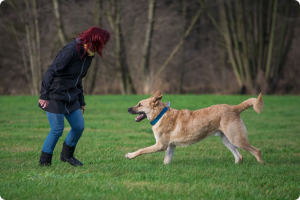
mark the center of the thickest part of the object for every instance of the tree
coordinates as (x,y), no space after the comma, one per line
(60,28)
(91,77)
(250,30)
(147,47)
(114,17)
(180,43)
(30,24)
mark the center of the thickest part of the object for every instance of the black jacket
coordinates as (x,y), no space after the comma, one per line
(62,82)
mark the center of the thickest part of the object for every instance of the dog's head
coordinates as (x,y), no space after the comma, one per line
(146,107)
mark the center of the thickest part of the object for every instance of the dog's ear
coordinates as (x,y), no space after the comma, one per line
(155,99)
(158,93)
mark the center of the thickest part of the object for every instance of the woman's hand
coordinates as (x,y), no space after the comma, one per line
(44,103)
(83,109)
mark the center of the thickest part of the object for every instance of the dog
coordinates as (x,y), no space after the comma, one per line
(173,127)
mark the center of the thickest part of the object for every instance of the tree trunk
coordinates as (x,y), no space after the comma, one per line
(147,48)
(91,77)
(59,24)
(261,57)
(228,42)
(29,25)
(180,43)
(271,43)
(39,65)
(33,73)
(181,69)
(114,16)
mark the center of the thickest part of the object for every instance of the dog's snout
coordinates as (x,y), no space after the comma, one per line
(130,109)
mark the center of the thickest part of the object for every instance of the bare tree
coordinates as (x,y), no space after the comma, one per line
(147,47)
(250,40)
(39,63)
(59,24)
(114,17)
(180,43)
(31,27)
(91,77)
(181,70)
(239,44)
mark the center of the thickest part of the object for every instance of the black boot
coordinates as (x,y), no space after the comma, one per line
(67,155)
(45,159)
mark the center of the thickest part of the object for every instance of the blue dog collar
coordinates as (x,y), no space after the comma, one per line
(160,115)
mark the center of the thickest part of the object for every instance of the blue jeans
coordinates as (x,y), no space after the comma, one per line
(56,121)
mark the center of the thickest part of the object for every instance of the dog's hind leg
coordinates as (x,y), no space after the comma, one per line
(237,134)
(169,154)
(237,156)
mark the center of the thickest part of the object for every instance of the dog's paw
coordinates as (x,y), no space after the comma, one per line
(129,156)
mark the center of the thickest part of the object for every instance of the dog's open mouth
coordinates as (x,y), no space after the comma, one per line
(140,117)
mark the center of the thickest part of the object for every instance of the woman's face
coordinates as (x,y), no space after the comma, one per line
(91,48)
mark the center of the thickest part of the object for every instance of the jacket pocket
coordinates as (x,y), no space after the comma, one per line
(70,95)
(54,88)
(73,94)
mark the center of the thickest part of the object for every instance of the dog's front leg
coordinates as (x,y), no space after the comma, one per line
(169,154)
(152,149)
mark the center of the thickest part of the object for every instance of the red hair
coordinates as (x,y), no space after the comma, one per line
(95,37)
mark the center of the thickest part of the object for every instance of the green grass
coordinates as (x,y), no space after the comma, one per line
(205,170)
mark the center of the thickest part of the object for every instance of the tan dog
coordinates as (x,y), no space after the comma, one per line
(184,127)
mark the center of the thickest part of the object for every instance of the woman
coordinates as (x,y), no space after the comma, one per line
(62,92)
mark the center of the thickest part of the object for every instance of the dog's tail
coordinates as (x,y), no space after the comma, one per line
(257,104)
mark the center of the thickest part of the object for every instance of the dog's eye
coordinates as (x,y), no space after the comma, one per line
(139,105)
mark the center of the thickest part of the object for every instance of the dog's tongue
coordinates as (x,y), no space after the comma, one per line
(139,117)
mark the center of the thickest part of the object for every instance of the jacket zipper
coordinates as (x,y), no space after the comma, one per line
(55,89)
(80,72)
(66,108)
(69,95)
(78,89)
(74,85)
(69,101)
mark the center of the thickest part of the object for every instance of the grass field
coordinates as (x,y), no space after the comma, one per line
(205,170)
